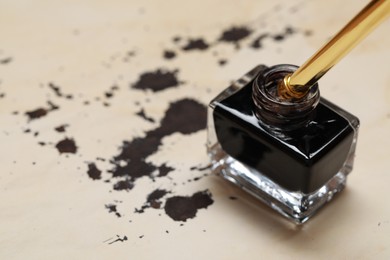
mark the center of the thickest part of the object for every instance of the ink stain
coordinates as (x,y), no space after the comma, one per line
(168,54)
(180,208)
(66,145)
(61,128)
(124,185)
(184,116)
(112,209)
(41,112)
(153,200)
(93,172)
(196,44)
(235,34)
(257,43)
(142,114)
(157,80)
(57,91)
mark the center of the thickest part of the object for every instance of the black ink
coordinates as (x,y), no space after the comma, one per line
(168,55)
(142,114)
(93,172)
(157,80)
(196,44)
(182,208)
(66,146)
(235,34)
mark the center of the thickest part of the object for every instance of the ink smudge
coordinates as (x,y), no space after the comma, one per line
(61,128)
(157,80)
(164,170)
(41,112)
(66,146)
(180,208)
(142,114)
(6,60)
(124,185)
(195,44)
(257,43)
(185,116)
(112,209)
(169,54)
(93,172)
(235,34)
(222,62)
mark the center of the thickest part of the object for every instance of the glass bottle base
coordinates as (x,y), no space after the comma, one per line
(297,206)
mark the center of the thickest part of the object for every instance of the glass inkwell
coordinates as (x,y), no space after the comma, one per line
(272,134)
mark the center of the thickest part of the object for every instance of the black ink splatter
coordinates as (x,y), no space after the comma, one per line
(66,146)
(41,112)
(185,116)
(93,172)
(124,185)
(153,200)
(119,239)
(163,170)
(168,54)
(181,208)
(112,209)
(61,128)
(235,34)
(222,62)
(142,114)
(157,80)
(196,44)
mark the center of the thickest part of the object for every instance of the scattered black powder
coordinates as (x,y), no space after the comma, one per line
(157,80)
(164,170)
(168,54)
(196,44)
(222,62)
(235,34)
(181,208)
(93,172)
(41,112)
(257,42)
(37,113)
(42,143)
(142,114)
(153,198)
(119,239)
(66,146)
(2,95)
(176,39)
(58,92)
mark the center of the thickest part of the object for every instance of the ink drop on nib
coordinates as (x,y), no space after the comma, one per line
(294,155)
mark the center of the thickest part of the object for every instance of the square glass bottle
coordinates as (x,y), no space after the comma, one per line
(294,156)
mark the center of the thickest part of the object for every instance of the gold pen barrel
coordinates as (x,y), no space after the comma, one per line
(298,84)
